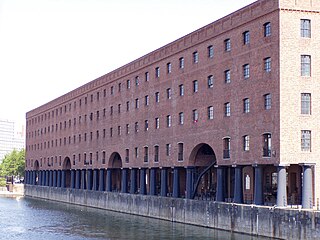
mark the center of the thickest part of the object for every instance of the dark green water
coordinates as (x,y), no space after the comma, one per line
(27,218)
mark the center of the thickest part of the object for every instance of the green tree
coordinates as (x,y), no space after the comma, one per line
(13,164)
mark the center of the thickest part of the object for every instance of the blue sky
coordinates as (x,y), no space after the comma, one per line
(49,47)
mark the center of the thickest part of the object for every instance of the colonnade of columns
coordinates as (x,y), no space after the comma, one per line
(135,181)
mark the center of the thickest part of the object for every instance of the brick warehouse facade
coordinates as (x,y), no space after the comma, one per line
(223,113)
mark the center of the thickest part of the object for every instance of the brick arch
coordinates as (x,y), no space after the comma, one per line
(202,155)
(66,163)
(36,165)
(115,160)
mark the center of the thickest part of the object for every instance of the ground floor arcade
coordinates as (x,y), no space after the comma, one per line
(254,184)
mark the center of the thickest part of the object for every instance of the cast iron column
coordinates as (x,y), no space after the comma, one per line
(164,182)
(101,180)
(55,178)
(258,185)
(307,196)
(47,178)
(143,189)
(73,176)
(152,181)
(89,176)
(95,186)
(220,184)
(133,181)
(238,185)
(78,178)
(50,178)
(282,187)
(189,182)
(109,180)
(124,180)
(63,178)
(59,179)
(83,179)
(176,184)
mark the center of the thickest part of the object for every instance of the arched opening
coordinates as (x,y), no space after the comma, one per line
(115,163)
(203,159)
(67,169)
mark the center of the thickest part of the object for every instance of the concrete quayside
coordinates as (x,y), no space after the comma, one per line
(280,223)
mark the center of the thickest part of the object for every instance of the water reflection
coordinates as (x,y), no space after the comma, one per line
(39,219)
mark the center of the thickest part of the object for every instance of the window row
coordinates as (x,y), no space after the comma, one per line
(181,64)
(181,119)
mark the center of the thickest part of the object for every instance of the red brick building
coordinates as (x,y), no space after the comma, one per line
(223,113)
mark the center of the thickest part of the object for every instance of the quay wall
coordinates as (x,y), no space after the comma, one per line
(250,219)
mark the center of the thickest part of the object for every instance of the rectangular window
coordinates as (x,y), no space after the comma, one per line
(246,105)
(157,97)
(111,132)
(306,140)
(156,153)
(227,76)
(267,101)
(136,152)
(128,106)
(169,121)
(267,29)
(226,148)
(128,84)
(146,154)
(195,57)
(181,118)
(127,155)
(136,80)
(246,37)
(146,100)
(227,110)
(119,108)
(119,130)
(246,143)
(136,127)
(146,75)
(146,125)
(181,90)
(306,103)
(157,123)
(168,149)
(305,28)
(181,63)
(305,65)
(195,115)
(210,51)
(210,113)
(137,103)
(111,111)
(195,86)
(119,87)
(103,157)
(127,128)
(246,71)
(111,91)
(266,145)
(210,81)
(267,64)
(169,93)
(227,45)
(157,72)
(169,67)
(180,151)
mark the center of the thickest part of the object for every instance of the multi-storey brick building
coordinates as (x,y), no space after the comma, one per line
(224,113)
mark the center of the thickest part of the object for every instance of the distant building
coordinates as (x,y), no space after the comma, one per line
(228,112)
(9,139)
